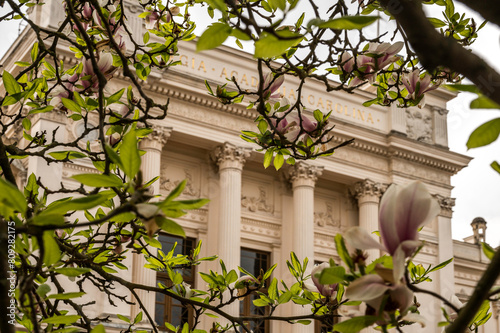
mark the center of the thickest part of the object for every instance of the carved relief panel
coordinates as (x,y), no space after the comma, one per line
(327,210)
(257,195)
(419,124)
(175,169)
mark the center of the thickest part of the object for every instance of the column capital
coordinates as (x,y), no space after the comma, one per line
(446,204)
(157,138)
(368,190)
(230,156)
(302,174)
(440,110)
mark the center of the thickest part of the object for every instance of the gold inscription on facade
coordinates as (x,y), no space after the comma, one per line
(311,100)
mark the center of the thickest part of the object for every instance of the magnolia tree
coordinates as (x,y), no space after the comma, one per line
(85,235)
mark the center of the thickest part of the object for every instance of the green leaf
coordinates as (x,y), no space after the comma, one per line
(270,46)
(67,295)
(27,124)
(11,199)
(342,251)
(462,87)
(268,156)
(116,96)
(96,180)
(122,317)
(71,105)
(52,251)
(484,134)
(10,83)
(349,22)
(496,166)
(42,290)
(70,155)
(129,155)
(441,265)
(436,22)
(115,158)
(354,325)
(332,275)
(64,319)
(483,102)
(34,52)
(98,329)
(278,161)
(72,271)
(169,226)
(217,4)
(488,250)
(214,36)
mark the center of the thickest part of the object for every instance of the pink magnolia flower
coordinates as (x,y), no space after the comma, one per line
(403,211)
(374,58)
(416,85)
(271,88)
(327,290)
(372,289)
(105,66)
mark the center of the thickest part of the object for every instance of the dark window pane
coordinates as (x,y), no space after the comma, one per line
(254,261)
(168,309)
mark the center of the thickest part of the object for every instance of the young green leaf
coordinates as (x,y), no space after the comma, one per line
(348,22)
(214,36)
(129,155)
(96,180)
(484,134)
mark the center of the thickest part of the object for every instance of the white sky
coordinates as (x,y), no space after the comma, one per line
(477,187)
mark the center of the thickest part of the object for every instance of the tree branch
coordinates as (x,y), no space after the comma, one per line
(435,50)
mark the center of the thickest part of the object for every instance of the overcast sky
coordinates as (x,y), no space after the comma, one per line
(477,187)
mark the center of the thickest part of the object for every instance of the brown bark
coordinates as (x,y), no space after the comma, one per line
(434,50)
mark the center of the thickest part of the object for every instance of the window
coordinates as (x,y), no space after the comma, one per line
(254,261)
(166,308)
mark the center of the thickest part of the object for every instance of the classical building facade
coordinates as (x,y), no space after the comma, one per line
(256,216)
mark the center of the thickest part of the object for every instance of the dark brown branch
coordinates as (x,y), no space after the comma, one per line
(488,9)
(480,294)
(434,50)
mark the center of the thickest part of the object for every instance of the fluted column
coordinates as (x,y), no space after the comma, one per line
(368,194)
(150,167)
(230,160)
(303,179)
(445,246)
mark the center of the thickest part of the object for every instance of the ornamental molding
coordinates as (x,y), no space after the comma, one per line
(368,187)
(260,228)
(70,169)
(440,110)
(446,204)
(158,136)
(304,174)
(228,155)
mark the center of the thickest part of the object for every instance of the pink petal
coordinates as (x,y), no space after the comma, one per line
(366,288)
(359,238)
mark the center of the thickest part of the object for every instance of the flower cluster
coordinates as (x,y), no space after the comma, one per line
(374,58)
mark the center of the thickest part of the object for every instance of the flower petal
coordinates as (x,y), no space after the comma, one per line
(366,288)
(416,318)
(360,239)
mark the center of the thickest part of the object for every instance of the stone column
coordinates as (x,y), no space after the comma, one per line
(303,179)
(150,167)
(445,246)
(397,117)
(368,194)
(230,161)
